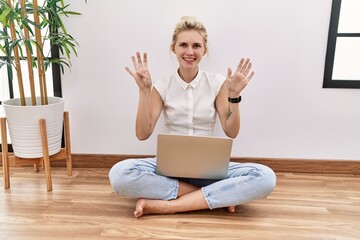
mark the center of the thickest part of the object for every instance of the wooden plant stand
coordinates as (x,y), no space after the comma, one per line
(64,153)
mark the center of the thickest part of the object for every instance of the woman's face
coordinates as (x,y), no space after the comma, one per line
(189,49)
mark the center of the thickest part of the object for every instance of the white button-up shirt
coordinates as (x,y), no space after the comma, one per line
(189,108)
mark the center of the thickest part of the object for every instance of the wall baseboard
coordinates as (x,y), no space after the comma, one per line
(293,165)
(277,164)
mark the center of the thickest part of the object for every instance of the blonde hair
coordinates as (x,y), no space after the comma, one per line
(189,23)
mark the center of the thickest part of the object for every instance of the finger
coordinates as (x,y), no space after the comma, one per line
(145,60)
(247,70)
(139,59)
(240,65)
(244,66)
(251,75)
(130,71)
(136,67)
(229,73)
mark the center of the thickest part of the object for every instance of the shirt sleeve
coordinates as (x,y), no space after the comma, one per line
(218,82)
(159,85)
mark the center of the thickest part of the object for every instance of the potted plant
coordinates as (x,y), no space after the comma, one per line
(30,31)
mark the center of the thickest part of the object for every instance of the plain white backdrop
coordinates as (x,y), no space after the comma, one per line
(285,112)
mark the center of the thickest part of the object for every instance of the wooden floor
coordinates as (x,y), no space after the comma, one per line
(303,206)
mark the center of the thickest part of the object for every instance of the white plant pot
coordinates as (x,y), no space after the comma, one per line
(24,127)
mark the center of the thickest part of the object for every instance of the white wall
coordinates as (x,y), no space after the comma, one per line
(285,112)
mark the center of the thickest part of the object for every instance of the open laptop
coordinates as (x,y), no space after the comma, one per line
(193,156)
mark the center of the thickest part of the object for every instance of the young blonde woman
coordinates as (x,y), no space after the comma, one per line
(190,100)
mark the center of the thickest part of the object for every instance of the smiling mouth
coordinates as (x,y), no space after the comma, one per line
(189,59)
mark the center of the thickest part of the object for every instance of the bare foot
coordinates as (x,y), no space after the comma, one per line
(146,206)
(232,209)
(139,209)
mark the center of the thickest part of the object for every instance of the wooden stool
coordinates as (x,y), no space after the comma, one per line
(64,153)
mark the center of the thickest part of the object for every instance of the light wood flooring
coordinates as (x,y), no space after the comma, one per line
(303,206)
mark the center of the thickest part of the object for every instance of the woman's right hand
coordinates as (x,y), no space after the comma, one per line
(141,74)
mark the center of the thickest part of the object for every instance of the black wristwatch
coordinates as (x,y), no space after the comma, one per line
(234,100)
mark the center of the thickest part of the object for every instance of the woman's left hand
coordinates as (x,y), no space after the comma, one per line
(237,82)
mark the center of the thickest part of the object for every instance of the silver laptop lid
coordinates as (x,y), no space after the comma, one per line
(193,156)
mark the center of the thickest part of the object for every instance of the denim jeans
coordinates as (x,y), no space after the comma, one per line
(245,182)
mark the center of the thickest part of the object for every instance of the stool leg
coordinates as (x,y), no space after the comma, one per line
(4,155)
(46,154)
(67,144)
(36,167)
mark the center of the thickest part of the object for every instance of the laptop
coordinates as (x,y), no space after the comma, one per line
(186,156)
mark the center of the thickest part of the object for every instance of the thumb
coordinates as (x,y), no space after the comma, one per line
(229,73)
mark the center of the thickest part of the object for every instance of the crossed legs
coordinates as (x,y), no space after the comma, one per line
(161,195)
(190,198)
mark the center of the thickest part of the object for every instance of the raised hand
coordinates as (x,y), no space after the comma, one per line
(237,82)
(141,74)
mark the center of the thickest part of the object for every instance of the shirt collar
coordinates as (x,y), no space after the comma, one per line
(193,83)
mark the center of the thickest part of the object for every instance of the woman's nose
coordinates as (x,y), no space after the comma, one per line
(190,50)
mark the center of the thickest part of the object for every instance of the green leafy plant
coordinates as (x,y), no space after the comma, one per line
(28,30)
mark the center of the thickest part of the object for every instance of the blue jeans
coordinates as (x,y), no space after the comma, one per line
(245,182)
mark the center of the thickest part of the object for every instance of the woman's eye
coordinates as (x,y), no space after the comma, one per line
(183,45)
(196,46)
